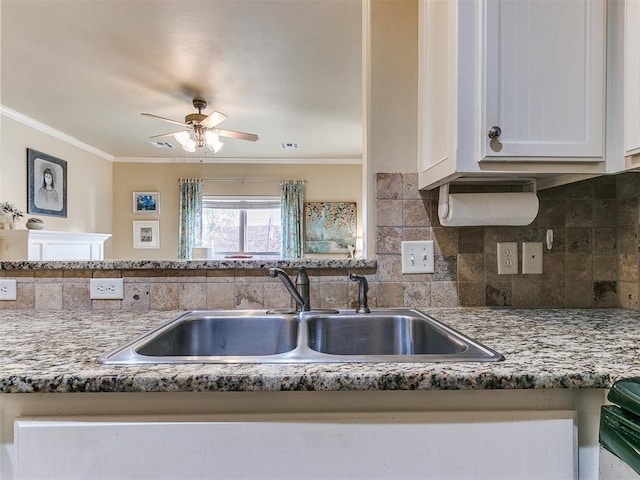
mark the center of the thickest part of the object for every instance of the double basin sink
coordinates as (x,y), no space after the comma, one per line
(259,336)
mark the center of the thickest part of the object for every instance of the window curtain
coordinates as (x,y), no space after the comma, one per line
(292,201)
(190,216)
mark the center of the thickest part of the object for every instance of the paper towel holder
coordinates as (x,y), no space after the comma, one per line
(443,195)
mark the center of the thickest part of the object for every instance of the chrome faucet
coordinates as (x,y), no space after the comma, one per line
(363,288)
(300,294)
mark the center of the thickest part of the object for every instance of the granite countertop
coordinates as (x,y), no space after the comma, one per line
(227,264)
(56,352)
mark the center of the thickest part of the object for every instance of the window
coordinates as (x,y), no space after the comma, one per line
(242,226)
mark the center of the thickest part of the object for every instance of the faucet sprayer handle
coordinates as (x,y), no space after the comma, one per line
(361,279)
(363,288)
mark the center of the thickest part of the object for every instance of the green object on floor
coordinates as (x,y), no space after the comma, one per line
(620,434)
(620,423)
(626,394)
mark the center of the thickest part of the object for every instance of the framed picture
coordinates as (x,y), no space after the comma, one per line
(146,202)
(46,184)
(146,234)
(330,227)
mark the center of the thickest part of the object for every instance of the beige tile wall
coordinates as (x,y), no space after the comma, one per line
(177,290)
(628,193)
(581,270)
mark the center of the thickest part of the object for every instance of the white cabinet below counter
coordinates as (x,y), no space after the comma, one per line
(16,245)
(434,445)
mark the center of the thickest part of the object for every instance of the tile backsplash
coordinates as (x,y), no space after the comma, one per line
(593,263)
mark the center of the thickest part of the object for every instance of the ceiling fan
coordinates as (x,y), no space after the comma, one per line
(202,130)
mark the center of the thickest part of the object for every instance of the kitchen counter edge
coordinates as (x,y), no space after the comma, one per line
(56,352)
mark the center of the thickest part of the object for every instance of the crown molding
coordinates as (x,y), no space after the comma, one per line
(52,132)
(267,160)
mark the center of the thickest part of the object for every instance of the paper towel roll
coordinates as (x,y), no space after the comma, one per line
(477,209)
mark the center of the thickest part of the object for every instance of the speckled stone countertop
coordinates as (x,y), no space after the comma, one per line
(228,264)
(56,352)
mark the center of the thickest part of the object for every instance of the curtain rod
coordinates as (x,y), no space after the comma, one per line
(269,180)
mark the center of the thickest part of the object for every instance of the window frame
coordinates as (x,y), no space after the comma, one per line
(240,203)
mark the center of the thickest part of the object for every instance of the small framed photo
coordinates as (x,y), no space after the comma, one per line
(146,234)
(46,184)
(146,202)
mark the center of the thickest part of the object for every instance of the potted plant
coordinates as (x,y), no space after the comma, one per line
(10,212)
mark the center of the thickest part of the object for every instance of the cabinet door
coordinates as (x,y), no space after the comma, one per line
(435,446)
(437,75)
(632,77)
(544,79)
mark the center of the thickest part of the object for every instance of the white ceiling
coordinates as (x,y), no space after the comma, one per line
(287,70)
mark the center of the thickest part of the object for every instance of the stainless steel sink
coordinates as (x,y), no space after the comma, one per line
(211,337)
(214,335)
(379,334)
(256,336)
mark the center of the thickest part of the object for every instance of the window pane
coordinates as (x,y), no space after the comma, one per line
(263,232)
(221,229)
(242,227)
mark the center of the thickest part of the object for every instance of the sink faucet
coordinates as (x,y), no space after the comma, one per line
(300,294)
(363,288)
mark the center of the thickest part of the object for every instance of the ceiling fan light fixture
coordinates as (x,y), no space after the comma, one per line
(182,137)
(201,130)
(189,146)
(216,148)
(213,141)
(186,140)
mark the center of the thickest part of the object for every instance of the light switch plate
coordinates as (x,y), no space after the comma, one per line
(532,257)
(417,257)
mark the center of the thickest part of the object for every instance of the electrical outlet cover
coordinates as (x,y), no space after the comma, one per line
(8,289)
(507,258)
(106,289)
(417,257)
(532,257)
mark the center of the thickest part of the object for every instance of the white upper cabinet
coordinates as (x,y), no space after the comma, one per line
(544,78)
(632,77)
(535,69)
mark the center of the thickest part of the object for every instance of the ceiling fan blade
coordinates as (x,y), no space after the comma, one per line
(214,119)
(165,119)
(168,134)
(252,137)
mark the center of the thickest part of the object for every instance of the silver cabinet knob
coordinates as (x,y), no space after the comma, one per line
(495,132)
(494,135)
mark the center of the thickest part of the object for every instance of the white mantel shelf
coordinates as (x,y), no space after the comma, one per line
(38,245)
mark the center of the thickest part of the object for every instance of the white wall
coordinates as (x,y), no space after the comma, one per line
(390,66)
(392,129)
(325,183)
(89,180)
